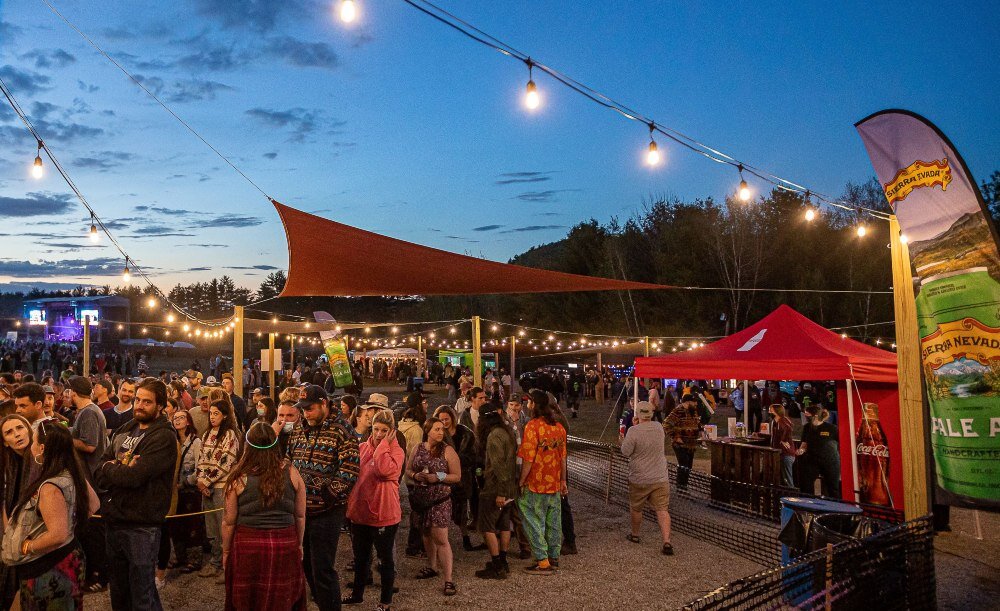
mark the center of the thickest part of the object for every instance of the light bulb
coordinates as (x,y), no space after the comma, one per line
(126,275)
(170,318)
(903,239)
(151,303)
(744,191)
(653,156)
(94,236)
(197,331)
(531,98)
(36,168)
(187,328)
(862,231)
(348,11)
(810,215)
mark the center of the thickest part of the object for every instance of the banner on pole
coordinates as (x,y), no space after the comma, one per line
(336,352)
(956,264)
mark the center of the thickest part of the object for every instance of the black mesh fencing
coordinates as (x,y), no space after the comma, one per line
(897,563)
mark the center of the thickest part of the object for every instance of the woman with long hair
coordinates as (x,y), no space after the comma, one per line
(374,510)
(434,467)
(188,532)
(17,438)
(819,453)
(361,421)
(463,440)
(781,439)
(220,446)
(266,411)
(263,527)
(49,560)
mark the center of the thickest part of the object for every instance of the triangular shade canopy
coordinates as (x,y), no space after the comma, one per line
(326,258)
(784,345)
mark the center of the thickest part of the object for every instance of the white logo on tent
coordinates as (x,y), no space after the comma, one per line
(753,341)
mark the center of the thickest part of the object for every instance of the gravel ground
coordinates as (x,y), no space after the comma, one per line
(607,572)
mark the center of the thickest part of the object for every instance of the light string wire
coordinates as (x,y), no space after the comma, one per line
(86,204)
(478,35)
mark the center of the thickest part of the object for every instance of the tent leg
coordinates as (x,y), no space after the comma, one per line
(746,402)
(854,440)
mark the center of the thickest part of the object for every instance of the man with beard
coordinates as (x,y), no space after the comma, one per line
(118,415)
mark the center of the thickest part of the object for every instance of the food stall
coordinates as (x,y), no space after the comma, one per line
(786,345)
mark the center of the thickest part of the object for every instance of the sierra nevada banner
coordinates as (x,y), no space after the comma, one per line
(953,249)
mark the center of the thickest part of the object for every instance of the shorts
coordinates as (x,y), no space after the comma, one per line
(658,496)
(491,517)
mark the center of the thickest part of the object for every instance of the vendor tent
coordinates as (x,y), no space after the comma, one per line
(784,345)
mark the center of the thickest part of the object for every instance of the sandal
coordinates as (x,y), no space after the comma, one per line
(449,588)
(633,538)
(426,573)
(94,587)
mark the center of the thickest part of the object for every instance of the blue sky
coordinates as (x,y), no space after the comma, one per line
(399,125)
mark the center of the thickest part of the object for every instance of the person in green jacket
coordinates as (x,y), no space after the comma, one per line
(498,455)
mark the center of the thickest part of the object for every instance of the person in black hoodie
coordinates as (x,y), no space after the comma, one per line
(139,472)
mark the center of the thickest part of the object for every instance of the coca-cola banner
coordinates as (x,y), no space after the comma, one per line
(956,264)
(875,440)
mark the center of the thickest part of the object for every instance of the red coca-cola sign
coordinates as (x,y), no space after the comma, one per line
(878,451)
(873,459)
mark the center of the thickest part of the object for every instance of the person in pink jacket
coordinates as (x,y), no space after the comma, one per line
(374,509)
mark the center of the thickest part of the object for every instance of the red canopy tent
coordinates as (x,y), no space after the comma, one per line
(786,345)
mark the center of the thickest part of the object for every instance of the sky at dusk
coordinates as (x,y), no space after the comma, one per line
(399,125)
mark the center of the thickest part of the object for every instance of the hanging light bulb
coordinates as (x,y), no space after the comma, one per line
(170,318)
(810,215)
(531,97)
(36,168)
(187,328)
(744,192)
(862,230)
(94,236)
(348,11)
(903,239)
(151,303)
(653,155)
(127,273)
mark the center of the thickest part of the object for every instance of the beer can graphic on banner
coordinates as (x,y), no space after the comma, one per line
(873,459)
(959,318)
(336,352)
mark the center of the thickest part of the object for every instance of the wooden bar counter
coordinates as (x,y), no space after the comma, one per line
(747,475)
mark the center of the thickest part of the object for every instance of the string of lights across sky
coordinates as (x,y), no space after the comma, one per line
(348,12)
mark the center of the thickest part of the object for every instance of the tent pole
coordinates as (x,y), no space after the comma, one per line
(645,346)
(913,430)
(513,360)
(291,345)
(854,440)
(270,364)
(420,356)
(746,402)
(238,350)
(86,346)
(477,354)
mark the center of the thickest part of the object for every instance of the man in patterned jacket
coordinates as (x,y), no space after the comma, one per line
(326,455)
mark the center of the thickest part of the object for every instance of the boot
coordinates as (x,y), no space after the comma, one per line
(490,572)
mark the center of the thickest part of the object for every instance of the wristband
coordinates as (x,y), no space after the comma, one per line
(441,475)
(25,547)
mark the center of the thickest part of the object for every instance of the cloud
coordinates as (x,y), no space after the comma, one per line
(301,121)
(514,178)
(71,246)
(102,266)
(36,204)
(259,15)
(265,268)
(201,269)
(103,161)
(531,228)
(22,82)
(235,221)
(85,87)
(270,155)
(194,90)
(549,214)
(487,228)
(41,110)
(214,59)
(194,220)
(302,54)
(541,196)
(162,210)
(8,30)
(49,58)
(208,245)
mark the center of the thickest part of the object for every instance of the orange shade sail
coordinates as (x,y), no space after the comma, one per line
(330,259)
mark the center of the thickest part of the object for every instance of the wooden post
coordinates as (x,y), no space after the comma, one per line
(86,346)
(854,440)
(238,351)
(645,346)
(270,361)
(291,366)
(421,361)
(477,354)
(916,496)
(513,361)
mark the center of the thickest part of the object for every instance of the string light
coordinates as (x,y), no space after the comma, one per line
(187,328)
(531,98)
(744,192)
(151,303)
(36,168)
(862,230)
(94,236)
(127,274)
(653,155)
(348,11)
(810,212)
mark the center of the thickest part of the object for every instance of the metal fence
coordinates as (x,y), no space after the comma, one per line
(894,567)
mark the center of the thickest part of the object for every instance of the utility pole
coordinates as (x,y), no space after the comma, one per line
(238,350)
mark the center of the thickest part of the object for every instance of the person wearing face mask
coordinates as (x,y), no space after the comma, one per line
(284,423)
(17,437)
(373,508)
(187,533)
(264,411)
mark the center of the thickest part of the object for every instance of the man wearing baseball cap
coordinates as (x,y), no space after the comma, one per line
(326,455)
(647,473)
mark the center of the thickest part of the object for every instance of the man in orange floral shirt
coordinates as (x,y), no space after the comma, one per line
(543,480)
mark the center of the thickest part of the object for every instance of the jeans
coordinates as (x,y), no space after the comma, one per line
(383,538)
(787,477)
(213,525)
(542,515)
(132,556)
(93,539)
(685,460)
(320,556)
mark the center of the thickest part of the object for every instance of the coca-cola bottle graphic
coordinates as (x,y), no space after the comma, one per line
(873,458)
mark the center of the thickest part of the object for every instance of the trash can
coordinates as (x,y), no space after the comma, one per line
(798,514)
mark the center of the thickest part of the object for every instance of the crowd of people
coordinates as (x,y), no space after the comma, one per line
(111,481)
